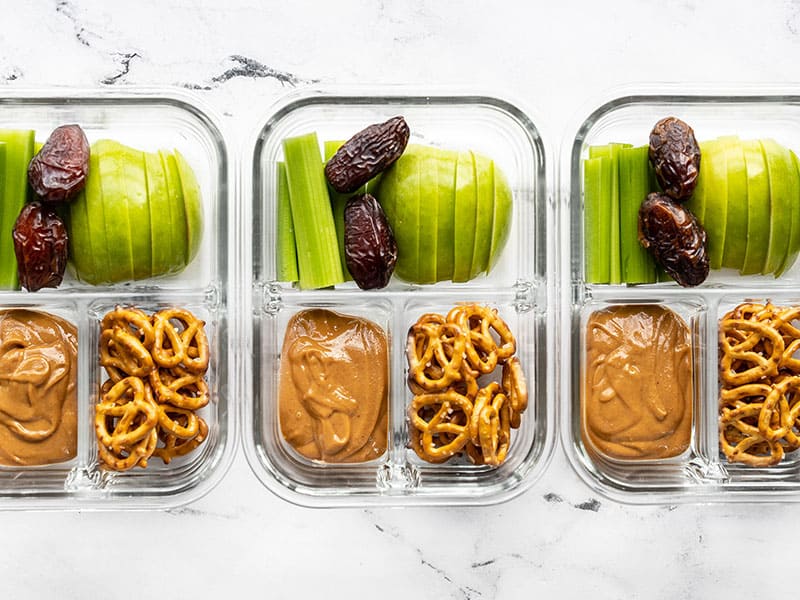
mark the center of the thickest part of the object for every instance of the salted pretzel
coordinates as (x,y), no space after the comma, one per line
(176,446)
(129,456)
(479,322)
(123,351)
(515,388)
(131,413)
(180,388)
(441,435)
(740,363)
(132,320)
(186,345)
(432,345)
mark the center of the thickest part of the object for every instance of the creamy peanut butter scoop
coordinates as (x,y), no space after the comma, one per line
(38,388)
(636,401)
(334,387)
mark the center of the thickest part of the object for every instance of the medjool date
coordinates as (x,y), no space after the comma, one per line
(675,156)
(58,172)
(366,154)
(675,238)
(370,249)
(40,244)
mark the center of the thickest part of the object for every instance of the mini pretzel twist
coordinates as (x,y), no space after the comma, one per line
(124,352)
(435,352)
(516,389)
(125,415)
(180,388)
(479,322)
(132,320)
(440,435)
(187,346)
(177,446)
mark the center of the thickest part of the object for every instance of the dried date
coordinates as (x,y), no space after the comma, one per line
(58,171)
(370,249)
(366,154)
(675,238)
(675,155)
(41,246)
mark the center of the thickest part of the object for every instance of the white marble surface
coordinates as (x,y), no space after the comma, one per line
(558,540)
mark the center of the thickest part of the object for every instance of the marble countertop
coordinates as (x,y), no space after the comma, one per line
(557,540)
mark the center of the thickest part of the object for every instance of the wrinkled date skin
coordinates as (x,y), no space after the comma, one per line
(366,154)
(675,156)
(41,245)
(370,249)
(58,172)
(675,238)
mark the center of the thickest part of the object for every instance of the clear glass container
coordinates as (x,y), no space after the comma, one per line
(702,473)
(521,287)
(148,120)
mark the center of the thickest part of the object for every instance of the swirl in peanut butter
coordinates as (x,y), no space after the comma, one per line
(38,393)
(334,387)
(637,392)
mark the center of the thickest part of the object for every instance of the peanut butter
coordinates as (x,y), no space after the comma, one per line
(334,387)
(38,388)
(637,392)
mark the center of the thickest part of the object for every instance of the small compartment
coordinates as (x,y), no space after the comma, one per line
(144,123)
(519,284)
(729,126)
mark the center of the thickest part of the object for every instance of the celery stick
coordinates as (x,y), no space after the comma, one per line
(19,151)
(637,264)
(595,227)
(318,258)
(286,248)
(338,202)
(615,264)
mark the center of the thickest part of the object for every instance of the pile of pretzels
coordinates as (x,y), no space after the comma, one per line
(458,406)
(759,403)
(156,368)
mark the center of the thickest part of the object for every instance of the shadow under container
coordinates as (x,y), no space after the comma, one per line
(146,120)
(702,473)
(520,287)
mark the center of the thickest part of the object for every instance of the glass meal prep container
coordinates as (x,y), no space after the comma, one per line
(147,120)
(641,410)
(520,287)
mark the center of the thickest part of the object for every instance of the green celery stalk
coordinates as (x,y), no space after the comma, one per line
(595,221)
(615,264)
(338,202)
(318,257)
(14,184)
(637,264)
(286,247)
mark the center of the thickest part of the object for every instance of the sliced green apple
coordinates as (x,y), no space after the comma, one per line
(697,201)
(427,242)
(484,184)
(758,208)
(110,171)
(714,168)
(793,190)
(164,257)
(399,197)
(735,246)
(445,218)
(180,237)
(465,209)
(193,204)
(503,208)
(781,193)
(134,182)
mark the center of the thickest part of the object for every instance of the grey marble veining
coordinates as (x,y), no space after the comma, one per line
(558,540)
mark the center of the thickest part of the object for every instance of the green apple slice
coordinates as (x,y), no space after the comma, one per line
(466,202)
(793,191)
(714,168)
(779,166)
(484,184)
(399,197)
(503,208)
(135,185)
(735,247)
(97,235)
(164,258)
(110,171)
(427,240)
(81,254)
(697,201)
(758,208)
(180,237)
(446,161)
(193,205)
